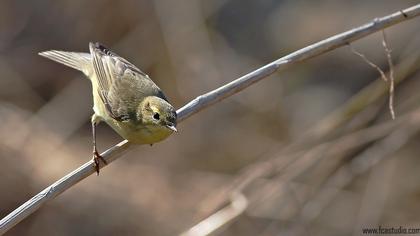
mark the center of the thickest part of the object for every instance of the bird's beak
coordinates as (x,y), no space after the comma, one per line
(171,127)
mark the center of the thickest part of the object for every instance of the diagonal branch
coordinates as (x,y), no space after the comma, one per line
(208,99)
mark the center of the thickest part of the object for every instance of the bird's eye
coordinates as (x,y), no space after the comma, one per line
(156,116)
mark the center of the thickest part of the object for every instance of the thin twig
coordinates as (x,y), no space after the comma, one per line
(237,206)
(209,99)
(383,76)
(287,163)
(382,73)
(357,103)
(315,135)
(359,165)
(304,160)
(391,74)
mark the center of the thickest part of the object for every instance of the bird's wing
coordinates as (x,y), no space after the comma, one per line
(121,85)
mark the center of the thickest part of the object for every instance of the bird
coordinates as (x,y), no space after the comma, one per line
(124,97)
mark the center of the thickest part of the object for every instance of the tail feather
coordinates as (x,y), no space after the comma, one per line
(77,60)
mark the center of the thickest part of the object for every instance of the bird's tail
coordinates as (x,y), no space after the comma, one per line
(77,60)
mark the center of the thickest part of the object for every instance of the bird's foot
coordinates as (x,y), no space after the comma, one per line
(96,159)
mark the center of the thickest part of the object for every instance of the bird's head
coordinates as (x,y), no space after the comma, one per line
(157,113)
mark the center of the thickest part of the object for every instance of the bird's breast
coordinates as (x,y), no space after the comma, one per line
(139,133)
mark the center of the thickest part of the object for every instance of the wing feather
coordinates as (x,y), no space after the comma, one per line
(122,86)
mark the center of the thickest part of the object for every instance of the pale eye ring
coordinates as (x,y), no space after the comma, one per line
(156,116)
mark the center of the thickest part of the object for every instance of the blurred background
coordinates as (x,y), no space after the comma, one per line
(309,151)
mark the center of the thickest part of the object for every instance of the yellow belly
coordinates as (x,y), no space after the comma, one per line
(135,133)
(139,134)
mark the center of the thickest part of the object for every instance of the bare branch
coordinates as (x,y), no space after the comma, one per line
(324,128)
(303,54)
(391,74)
(305,160)
(365,97)
(209,99)
(381,72)
(237,206)
(359,165)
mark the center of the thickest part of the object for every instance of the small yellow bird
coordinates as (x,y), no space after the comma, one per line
(123,96)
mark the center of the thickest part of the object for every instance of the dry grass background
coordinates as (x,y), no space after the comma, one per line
(319,183)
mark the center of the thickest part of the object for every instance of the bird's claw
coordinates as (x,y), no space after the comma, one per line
(96,159)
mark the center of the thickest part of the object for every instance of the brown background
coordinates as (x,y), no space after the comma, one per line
(190,47)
